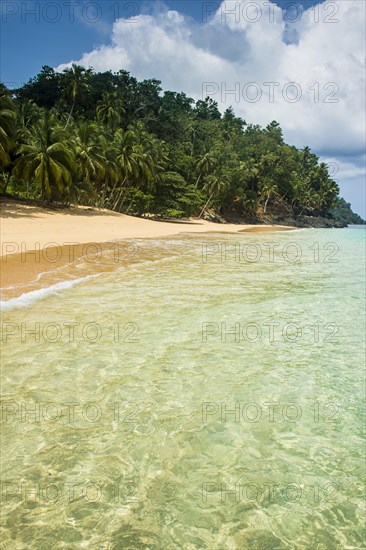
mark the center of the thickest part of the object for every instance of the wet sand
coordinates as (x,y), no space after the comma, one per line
(41,246)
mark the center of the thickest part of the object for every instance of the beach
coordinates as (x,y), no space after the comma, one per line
(182,276)
(33,225)
(36,240)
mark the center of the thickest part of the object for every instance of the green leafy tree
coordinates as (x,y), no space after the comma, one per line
(75,85)
(46,157)
(214,186)
(205,165)
(8,119)
(128,146)
(45,89)
(89,153)
(110,110)
(8,127)
(207,109)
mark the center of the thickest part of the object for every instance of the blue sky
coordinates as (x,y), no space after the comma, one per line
(36,33)
(39,34)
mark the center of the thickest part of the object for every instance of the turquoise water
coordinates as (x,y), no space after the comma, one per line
(209,394)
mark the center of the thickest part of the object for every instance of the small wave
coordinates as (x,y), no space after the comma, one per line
(297,230)
(29,298)
(39,276)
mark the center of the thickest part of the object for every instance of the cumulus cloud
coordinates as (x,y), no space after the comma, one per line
(307,72)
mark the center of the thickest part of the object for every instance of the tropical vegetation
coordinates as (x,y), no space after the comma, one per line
(108,140)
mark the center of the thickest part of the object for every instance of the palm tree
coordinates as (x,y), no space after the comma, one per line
(110,110)
(151,157)
(46,157)
(214,186)
(126,160)
(112,170)
(192,134)
(250,172)
(7,127)
(205,165)
(141,158)
(75,85)
(250,202)
(89,154)
(268,189)
(28,113)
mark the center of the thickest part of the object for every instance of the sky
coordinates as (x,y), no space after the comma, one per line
(300,63)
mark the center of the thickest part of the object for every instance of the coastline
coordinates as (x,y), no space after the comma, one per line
(42,246)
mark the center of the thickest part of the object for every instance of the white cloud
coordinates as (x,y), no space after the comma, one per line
(340,169)
(326,62)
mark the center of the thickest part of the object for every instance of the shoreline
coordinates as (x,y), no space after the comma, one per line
(37,227)
(41,246)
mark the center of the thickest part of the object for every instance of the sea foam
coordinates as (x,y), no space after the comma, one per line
(29,298)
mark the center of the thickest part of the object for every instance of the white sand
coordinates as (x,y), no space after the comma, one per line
(33,227)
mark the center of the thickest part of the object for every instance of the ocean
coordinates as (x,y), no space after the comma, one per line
(201,391)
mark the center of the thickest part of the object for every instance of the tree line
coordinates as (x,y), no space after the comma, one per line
(108,140)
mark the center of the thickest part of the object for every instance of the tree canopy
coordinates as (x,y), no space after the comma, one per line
(107,139)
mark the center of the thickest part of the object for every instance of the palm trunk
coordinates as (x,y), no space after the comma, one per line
(6,182)
(266,203)
(104,193)
(70,115)
(129,206)
(123,201)
(119,195)
(110,198)
(206,205)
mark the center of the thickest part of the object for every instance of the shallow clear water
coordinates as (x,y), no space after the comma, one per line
(210,396)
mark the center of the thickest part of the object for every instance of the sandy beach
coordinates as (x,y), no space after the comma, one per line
(34,226)
(37,240)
